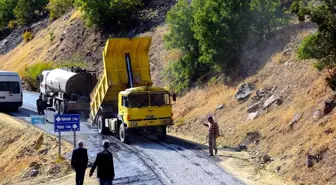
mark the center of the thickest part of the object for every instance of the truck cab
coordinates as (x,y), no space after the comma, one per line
(146,108)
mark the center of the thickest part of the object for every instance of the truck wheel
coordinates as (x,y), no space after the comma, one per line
(101,126)
(122,133)
(162,132)
(57,107)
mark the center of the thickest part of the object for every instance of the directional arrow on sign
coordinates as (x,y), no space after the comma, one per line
(74,126)
(58,119)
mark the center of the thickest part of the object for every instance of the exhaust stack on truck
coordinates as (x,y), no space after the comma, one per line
(124,99)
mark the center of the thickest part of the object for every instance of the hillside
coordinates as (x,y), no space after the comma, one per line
(72,40)
(292,124)
(28,155)
(281,121)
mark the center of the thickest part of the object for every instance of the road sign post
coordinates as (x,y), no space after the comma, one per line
(66,123)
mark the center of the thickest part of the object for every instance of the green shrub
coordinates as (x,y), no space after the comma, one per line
(59,7)
(107,12)
(30,73)
(11,24)
(212,81)
(27,11)
(180,122)
(51,36)
(27,36)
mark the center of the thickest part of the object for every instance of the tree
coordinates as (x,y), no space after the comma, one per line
(59,7)
(107,12)
(211,34)
(27,11)
(7,12)
(321,45)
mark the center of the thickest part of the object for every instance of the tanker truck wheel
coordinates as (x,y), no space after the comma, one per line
(122,134)
(101,126)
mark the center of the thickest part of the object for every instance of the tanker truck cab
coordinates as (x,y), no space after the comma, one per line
(144,109)
(10,90)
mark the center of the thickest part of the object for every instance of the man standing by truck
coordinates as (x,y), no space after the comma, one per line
(213,134)
(104,163)
(40,105)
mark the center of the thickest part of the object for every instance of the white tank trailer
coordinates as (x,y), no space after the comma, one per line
(67,91)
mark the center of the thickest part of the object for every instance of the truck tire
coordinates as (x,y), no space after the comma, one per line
(101,126)
(162,132)
(122,133)
(57,107)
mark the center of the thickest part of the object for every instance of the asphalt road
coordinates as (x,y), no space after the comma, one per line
(146,160)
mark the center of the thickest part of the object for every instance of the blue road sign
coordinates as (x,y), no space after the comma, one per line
(66,122)
(36,119)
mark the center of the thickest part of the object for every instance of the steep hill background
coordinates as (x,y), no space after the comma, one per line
(282,122)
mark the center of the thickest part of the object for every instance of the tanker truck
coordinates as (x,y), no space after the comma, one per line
(67,90)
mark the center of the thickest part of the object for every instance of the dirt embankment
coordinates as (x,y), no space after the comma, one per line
(67,38)
(285,122)
(28,155)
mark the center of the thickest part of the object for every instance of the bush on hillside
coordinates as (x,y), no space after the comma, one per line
(212,33)
(107,12)
(11,24)
(7,12)
(30,73)
(27,11)
(27,36)
(59,7)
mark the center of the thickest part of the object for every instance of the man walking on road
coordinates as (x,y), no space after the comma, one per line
(213,134)
(79,162)
(104,163)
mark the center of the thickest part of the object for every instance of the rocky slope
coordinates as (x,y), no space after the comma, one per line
(283,113)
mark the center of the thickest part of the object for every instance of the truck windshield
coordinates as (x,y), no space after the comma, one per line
(159,99)
(138,100)
(13,87)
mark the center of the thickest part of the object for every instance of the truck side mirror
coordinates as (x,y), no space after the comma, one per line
(174,97)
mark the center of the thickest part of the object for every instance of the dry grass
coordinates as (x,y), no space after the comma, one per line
(21,146)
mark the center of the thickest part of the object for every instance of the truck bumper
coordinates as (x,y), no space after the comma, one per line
(149,123)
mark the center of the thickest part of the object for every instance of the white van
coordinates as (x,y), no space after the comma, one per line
(10,91)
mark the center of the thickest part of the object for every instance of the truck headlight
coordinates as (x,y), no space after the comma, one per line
(134,123)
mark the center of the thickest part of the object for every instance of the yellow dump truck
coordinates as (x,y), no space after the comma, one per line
(124,99)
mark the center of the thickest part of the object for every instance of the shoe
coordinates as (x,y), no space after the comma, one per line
(215,151)
(210,154)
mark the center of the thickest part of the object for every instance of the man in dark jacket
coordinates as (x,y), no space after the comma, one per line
(40,105)
(79,163)
(104,162)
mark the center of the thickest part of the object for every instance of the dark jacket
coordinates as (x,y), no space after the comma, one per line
(40,104)
(79,159)
(104,162)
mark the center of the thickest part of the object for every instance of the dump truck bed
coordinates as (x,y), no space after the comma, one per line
(126,64)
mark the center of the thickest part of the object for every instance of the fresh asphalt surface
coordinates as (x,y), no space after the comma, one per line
(145,161)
